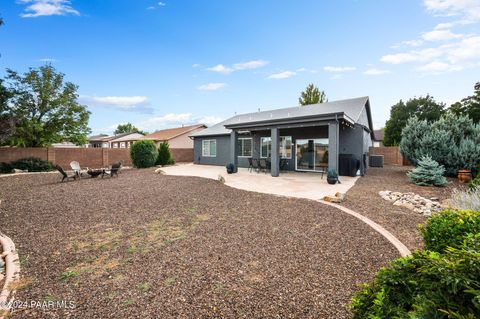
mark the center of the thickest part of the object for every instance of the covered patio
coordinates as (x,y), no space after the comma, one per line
(292,184)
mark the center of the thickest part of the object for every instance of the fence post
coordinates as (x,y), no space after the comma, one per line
(105,157)
(51,155)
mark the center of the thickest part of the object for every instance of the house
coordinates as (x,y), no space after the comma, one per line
(124,140)
(98,141)
(303,138)
(176,137)
(378,137)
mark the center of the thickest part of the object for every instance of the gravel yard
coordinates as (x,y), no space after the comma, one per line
(147,246)
(401,222)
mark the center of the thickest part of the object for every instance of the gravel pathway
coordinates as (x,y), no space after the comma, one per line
(400,221)
(145,245)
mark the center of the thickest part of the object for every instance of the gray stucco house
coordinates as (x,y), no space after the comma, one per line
(304,138)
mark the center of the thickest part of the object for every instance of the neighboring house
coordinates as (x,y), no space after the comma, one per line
(176,137)
(66,145)
(124,140)
(378,138)
(302,138)
(99,141)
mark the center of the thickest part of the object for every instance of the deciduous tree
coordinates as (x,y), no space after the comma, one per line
(127,128)
(46,107)
(424,108)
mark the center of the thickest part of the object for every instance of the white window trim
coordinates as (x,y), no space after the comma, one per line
(251,147)
(261,155)
(203,148)
(282,157)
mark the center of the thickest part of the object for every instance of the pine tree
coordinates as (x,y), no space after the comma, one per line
(164,155)
(428,173)
(312,95)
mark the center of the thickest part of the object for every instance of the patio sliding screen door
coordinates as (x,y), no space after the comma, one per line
(312,154)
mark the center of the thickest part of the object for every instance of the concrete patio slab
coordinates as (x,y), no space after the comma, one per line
(295,184)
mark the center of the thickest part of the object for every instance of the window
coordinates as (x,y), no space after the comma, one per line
(285,147)
(209,148)
(266,147)
(245,147)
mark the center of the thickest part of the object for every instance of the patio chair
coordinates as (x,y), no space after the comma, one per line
(263,165)
(255,164)
(77,169)
(112,171)
(65,176)
(250,164)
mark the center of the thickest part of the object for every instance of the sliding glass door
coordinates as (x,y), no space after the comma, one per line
(312,154)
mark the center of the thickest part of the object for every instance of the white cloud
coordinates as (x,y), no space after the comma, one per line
(151,8)
(211,86)
(412,56)
(468,9)
(249,65)
(209,120)
(337,76)
(48,60)
(438,67)
(123,103)
(174,120)
(162,4)
(440,35)
(374,71)
(339,68)
(281,75)
(195,65)
(255,64)
(38,8)
(220,68)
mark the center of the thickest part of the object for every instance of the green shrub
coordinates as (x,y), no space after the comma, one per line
(164,155)
(453,141)
(5,168)
(449,229)
(143,154)
(33,164)
(425,285)
(428,173)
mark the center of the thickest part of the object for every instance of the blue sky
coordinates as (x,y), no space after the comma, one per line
(163,64)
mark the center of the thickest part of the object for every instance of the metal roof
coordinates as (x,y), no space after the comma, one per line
(350,108)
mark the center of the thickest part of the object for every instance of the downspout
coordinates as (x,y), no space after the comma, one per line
(338,146)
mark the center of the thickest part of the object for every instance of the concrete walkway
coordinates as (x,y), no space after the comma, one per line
(295,184)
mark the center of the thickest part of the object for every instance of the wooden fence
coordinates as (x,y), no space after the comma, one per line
(87,157)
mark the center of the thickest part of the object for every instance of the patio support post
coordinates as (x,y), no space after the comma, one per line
(275,156)
(234,150)
(333,145)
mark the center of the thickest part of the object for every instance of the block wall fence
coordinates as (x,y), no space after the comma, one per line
(391,155)
(87,157)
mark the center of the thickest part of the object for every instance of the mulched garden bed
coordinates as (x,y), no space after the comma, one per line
(146,245)
(400,221)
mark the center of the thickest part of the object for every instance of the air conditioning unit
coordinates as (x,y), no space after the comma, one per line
(376,161)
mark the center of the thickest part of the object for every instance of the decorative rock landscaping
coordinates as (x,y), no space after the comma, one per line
(412,201)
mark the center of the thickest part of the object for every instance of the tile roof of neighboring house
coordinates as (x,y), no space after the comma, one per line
(352,108)
(379,134)
(168,134)
(127,137)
